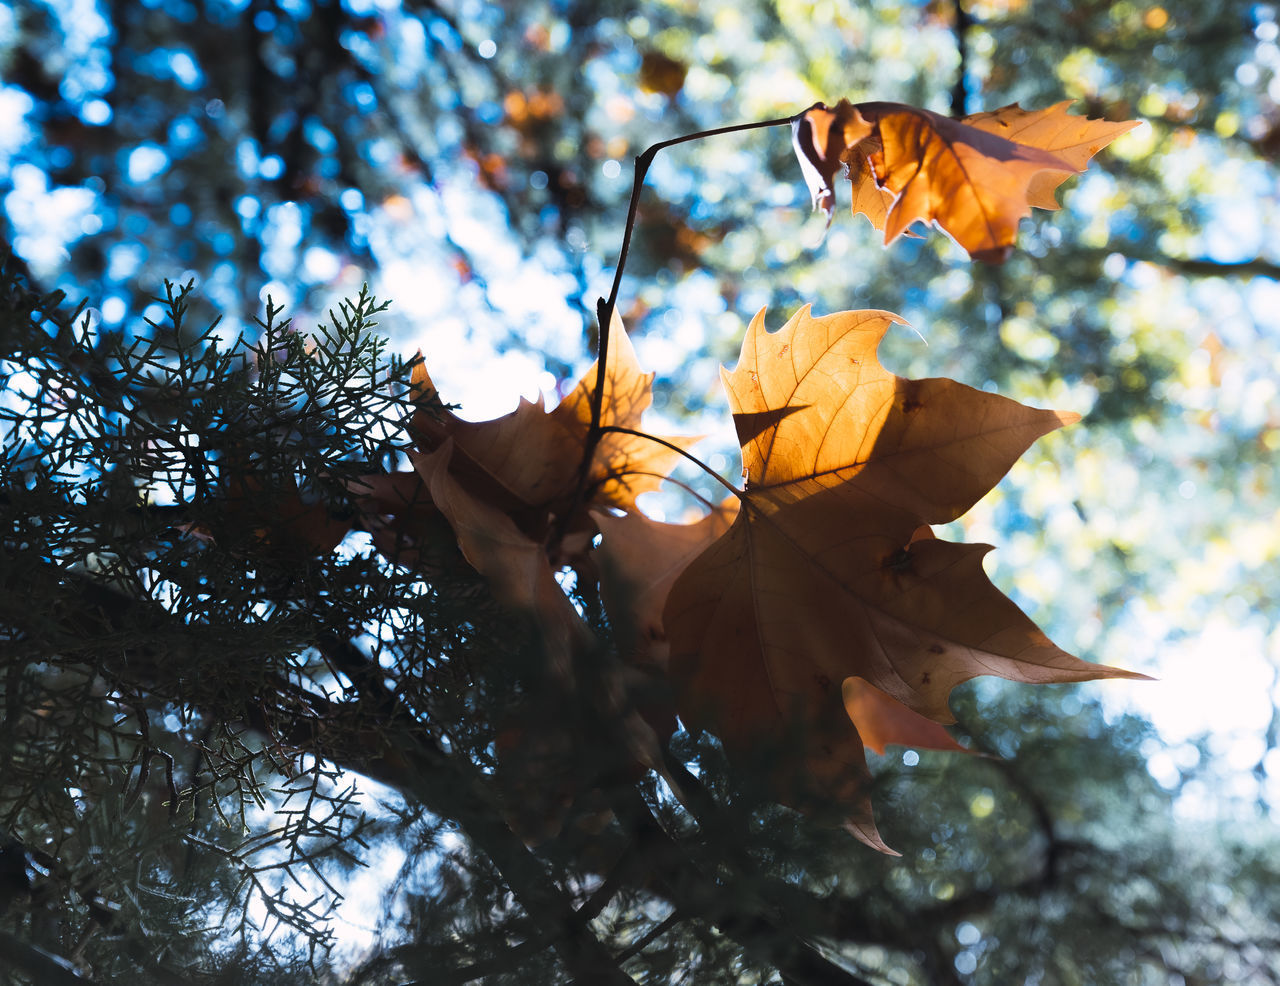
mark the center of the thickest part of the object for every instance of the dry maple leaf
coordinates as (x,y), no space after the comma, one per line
(975,178)
(823,576)
(273,516)
(530,458)
(639,560)
(1075,139)
(520,577)
(883,721)
(516,566)
(817,135)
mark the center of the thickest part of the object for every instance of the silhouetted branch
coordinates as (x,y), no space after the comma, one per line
(45,968)
(960,91)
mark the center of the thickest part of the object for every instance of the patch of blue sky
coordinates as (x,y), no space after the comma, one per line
(1236,322)
(113,310)
(96,112)
(442,32)
(361,47)
(361,96)
(46,220)
(319,136)
(84,33)
(184,136)
(20,393)
(248,207)
(320,265)
(15,132)
(178,64)
(1218,683)
(280,294)
(380,152)
(145,163)
(415,270)
(1237,226)
(281,237)
(489,112)
(367,8)
(408,37)
(1262,295)
(248,159)
(124,260)
(1088,199)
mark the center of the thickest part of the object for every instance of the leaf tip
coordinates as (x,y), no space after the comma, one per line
(1125,674)
(866,833)
(419,380)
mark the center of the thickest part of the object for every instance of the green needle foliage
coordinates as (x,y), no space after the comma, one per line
(229,756)
(196,698)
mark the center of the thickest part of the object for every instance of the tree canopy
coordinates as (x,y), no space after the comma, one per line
(275,627)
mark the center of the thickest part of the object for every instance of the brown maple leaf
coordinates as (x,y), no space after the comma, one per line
(527,462)
(639,560)
(515,566)
(1075,139)
(823,577)
(975,178)
(270,515)
(883,721)
(519,574)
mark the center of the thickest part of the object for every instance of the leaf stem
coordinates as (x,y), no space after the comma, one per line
(691,491)
(606,307)
(643,162)
(619,430)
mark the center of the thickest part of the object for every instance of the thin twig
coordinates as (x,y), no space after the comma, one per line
(605,307)
(649,937)
(44,966)
(619,430)
(960,92)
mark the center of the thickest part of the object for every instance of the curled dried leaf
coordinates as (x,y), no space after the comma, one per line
(975,178)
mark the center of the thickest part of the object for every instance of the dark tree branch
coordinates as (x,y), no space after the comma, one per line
(740,911)
(44,967)
(377,737)
(372,737)
(446,787)
(1194,266)
(605,307)
(960,91)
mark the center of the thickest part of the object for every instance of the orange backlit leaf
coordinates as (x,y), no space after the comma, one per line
(515,566)
(975,178)
(1075,139)
(528,461)
(639,560)
(823,575)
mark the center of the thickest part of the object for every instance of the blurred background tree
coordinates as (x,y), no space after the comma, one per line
(471,162)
